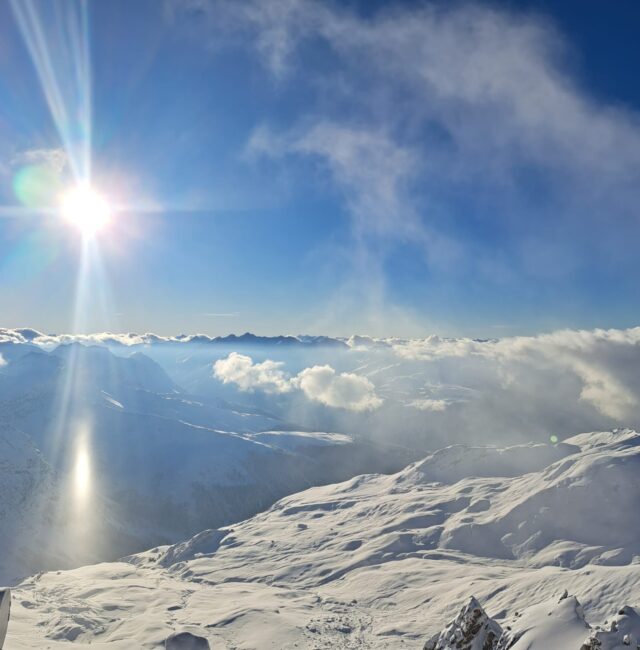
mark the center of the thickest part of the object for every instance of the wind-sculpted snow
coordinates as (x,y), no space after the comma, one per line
(383,561)
(452,464)
(555,623)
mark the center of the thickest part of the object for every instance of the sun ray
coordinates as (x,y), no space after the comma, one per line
(60,55)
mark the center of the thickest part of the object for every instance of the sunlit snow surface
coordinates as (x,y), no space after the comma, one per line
(377,561)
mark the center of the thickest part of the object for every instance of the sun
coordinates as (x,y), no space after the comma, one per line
(85,209)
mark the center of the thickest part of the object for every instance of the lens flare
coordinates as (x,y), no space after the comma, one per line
(86,210)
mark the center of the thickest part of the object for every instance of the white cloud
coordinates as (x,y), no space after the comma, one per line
(240,369)
(369,166)
(55,159)
(433,405)
(345,390)
(319,383)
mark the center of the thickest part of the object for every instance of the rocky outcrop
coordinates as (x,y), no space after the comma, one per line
(623,632)
(5,609)
(186,641)
(472,629)
(551,625)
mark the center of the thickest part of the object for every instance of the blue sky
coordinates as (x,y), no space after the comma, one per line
(391,168)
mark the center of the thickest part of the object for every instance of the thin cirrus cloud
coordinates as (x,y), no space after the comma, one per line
(320,383)
(434,405)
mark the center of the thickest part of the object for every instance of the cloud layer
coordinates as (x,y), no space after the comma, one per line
(569,380)
(604,361)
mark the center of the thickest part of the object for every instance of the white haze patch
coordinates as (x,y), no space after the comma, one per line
(319,383)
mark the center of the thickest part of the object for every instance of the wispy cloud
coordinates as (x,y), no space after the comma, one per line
(55,159)
(423,106)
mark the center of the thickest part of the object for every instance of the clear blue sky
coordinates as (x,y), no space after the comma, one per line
(392,168)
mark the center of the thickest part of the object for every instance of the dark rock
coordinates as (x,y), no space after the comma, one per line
(472,629)
(186,641)
(5,609)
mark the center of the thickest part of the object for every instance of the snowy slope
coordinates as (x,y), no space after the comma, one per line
(382,562)
(25,477)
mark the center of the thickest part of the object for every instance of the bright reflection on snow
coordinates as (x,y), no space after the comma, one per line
(82,474)
(78,512)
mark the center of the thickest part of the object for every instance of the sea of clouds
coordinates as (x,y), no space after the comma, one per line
(428,390)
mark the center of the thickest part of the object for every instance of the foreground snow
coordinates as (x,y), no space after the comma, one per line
(383,562)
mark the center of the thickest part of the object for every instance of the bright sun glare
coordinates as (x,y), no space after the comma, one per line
(85,209)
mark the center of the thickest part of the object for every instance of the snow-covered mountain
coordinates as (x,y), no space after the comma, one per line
(423,393)
(133,460)
(28,492)
(386,561)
